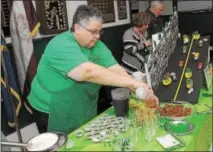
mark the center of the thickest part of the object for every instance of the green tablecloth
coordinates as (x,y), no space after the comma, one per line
(199,140)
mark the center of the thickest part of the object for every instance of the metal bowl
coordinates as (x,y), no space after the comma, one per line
(61,141)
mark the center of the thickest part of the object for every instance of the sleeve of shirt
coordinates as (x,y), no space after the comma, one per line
(66,58)
(106,57)
(130,45)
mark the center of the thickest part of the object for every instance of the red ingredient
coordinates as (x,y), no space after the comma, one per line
(174,110)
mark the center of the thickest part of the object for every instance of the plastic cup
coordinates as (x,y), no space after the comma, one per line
(120,97)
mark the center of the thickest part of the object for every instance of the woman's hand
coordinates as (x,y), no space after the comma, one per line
(148,43)
(151,101)
(138,84)
(146,94)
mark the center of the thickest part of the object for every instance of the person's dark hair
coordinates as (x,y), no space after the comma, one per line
(84,13)
(142,18)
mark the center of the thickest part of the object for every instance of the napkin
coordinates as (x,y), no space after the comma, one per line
(168,141)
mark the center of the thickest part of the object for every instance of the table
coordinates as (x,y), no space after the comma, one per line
(199,140)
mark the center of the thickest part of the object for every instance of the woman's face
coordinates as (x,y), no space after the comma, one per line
(89,34)
(144,28)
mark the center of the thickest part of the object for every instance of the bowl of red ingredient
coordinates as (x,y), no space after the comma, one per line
(176,110)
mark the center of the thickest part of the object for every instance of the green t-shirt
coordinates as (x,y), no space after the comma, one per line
(61,55)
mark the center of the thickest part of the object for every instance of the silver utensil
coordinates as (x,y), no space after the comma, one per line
(15,144)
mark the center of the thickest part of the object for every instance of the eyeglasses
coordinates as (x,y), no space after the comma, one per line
(93,32)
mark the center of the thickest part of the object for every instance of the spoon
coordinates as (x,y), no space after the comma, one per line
(16,144)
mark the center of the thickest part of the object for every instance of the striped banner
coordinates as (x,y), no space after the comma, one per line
(24,26)
(12,81)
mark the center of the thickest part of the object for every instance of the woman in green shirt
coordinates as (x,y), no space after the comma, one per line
(71,71)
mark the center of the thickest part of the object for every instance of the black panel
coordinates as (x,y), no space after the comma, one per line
(191,21)
(112,37)
(167,93)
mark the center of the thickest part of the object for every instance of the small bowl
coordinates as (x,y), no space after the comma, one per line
(87,128)
(96,139)
(115,132)
(103,133)
(79,133)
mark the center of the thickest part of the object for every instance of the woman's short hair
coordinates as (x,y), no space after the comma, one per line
(84,13)
(142,18)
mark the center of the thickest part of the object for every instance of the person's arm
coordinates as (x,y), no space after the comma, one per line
(119,70)
(130,44)
(70,62)
(91,72)
(97,74)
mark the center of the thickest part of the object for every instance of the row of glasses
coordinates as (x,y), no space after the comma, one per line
(143,127)
(149,120)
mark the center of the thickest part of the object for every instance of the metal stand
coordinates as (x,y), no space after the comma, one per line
(148,78)
(10,100)
(142,60)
